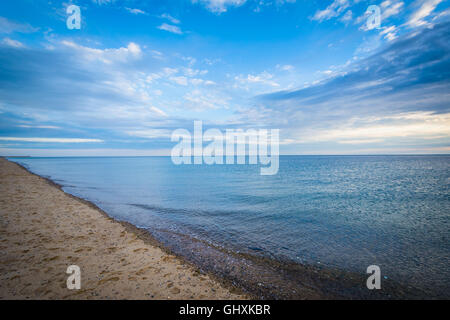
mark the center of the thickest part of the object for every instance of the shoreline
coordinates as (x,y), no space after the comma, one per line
(255,276)
(117,259)
(141,233)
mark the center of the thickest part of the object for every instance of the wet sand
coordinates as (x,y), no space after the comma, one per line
(44,230)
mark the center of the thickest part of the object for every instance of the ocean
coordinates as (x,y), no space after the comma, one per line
(339,212)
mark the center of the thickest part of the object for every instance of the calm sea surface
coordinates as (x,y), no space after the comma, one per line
(347,212)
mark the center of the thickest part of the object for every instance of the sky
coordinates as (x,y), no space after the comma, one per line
(136,71)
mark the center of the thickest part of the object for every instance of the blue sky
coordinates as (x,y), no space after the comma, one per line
(137,70)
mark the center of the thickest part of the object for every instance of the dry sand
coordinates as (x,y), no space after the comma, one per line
(44,230)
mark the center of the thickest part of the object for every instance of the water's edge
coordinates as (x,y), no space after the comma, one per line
(260,277)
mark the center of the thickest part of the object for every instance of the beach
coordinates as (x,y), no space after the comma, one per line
(60,212)
(43,231)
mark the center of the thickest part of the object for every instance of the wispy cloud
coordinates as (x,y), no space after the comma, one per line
(151,133)
(50,140)
(91,152)
(170,28)
(210,100)
(170,18)
(219,6)
(347,17)
(426,7)
(391,8)
(8,26)
(286,67)
(38,126)
(131,51)
(418,124)
(333,10)
(12,43)
(102,2)
(135,11)
(389,33)
(158,111)
(262,78)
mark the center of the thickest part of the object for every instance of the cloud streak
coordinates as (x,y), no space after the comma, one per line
(50,140)
(425,9)
(8,26)
(170,28)
(333,10)
(220,6)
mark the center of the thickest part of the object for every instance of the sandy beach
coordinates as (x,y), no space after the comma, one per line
(44,230)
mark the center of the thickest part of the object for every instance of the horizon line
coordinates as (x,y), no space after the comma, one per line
(285,155)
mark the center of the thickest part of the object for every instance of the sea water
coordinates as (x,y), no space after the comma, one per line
(345,212)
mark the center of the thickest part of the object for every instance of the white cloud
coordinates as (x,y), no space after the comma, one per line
(8,26)
(170,28)
(191,60)
(170,18)
(150,133)
(385,4)
(183,76)
(219,6)
(12,43)
(102,2)
(426,8)
(361,141)
(211,62)
(286,67)
(132,51)
(196,81)
(39,152)
(389,9)
(262,78)
(389,33)
(333,10)
(38,127)
(348,16)
(170,71)
(50,140)
(135,11)
(441,15)
(194,72)
(182,81)
(158,111)
(152,77)
(424,125)
(200,101)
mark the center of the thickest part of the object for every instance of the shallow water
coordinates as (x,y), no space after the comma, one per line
(347,212)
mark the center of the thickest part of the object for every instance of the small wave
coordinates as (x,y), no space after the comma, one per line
(187,212)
